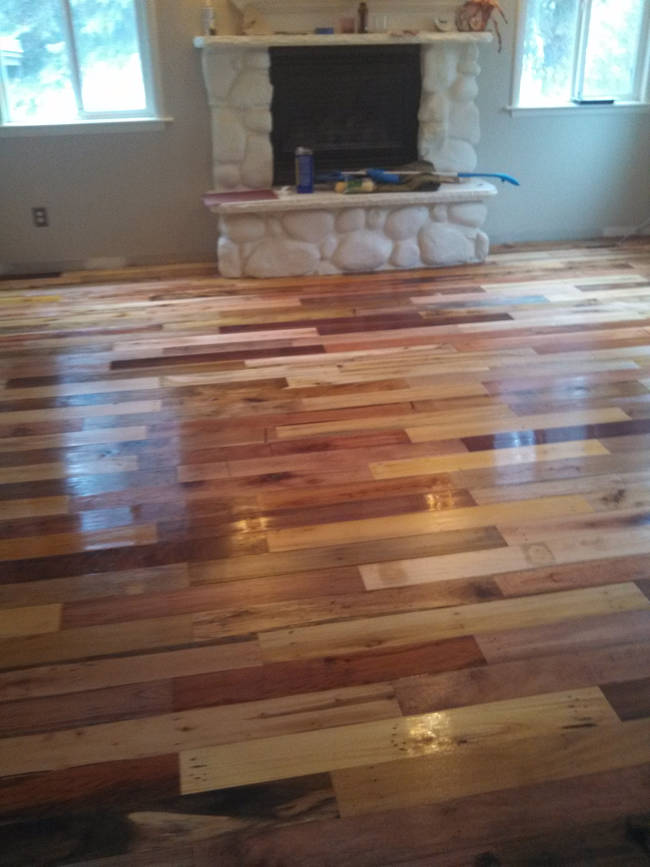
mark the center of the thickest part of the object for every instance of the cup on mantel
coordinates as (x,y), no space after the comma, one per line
(346,24)
(377,23)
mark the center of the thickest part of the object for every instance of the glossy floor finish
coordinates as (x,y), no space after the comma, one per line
(328,571)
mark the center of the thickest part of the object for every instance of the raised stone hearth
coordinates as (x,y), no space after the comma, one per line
(329,233)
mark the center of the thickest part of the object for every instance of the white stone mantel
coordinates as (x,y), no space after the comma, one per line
(289,40)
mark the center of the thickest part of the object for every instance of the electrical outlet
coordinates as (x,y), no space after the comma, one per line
(40,218)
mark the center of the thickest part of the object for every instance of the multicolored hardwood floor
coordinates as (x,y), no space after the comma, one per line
(328,571)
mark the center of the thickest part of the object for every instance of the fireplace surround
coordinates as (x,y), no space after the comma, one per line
(354,106)
(326,233)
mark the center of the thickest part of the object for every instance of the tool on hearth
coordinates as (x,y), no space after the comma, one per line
(388,177)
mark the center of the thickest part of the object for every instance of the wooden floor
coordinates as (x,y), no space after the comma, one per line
(328,571)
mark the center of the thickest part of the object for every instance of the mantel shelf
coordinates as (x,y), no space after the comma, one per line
(298,39)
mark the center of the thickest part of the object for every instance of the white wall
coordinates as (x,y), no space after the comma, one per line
(136,196)
(580,174)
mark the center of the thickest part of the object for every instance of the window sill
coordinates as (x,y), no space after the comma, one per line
(140,124)
(573,109)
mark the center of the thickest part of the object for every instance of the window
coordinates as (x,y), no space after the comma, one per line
(581,51)
(65,61)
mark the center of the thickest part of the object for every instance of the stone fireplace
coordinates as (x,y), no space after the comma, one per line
(327,233)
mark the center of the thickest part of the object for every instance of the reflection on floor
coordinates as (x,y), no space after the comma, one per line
(328,571)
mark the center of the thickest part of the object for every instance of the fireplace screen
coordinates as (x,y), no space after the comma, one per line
(356,107)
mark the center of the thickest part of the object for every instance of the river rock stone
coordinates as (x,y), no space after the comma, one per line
(468,213)
(406,254)
(310,226)
(328,246)
(439,66)
(455,155)
(251,89)
(247,227)
(258,120)
(375,218)
(442,244)
(228,258)
(226,176)
(219,73)
(228,136)
(257,58)
(350,219)
(362,251)
(405,222)
(464,122)
(257,168)
(482,246)
(464,88)
(278,258)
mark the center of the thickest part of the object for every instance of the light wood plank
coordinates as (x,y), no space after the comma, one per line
(414,524)
(488,458)
(169,733)
(33,620)
(35,508)
(410,628)
(490,767)
(539,421)
(366,745)
(447,567)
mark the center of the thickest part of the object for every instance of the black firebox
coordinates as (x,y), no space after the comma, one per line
(356,107)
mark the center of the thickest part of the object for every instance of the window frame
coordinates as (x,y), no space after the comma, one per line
(92,121)
(637,101)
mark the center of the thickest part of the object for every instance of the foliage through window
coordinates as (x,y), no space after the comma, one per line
(70,60)
(582,50)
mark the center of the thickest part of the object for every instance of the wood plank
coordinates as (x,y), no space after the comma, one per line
(424,522)
(33,620)
(542,671)
(387,740)
(488,617)
(431,832)
(488,458)
(456,773)
(611,628)
(97,674)
(93,641)
(36,507)
(630,698)
(537,421)
(231,724)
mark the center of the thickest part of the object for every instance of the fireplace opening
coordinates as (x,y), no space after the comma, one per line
(356,107)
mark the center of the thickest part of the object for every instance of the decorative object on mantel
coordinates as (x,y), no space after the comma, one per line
(444,24)
(208,20)
(475,16)
(362,17)
(254,23)
(228,18)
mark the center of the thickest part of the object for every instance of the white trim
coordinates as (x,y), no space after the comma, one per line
(76,127)
(572,108)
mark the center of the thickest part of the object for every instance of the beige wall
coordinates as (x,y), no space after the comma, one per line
(137,195)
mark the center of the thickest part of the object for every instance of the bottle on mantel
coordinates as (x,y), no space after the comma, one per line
(208,20)
(362,17)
